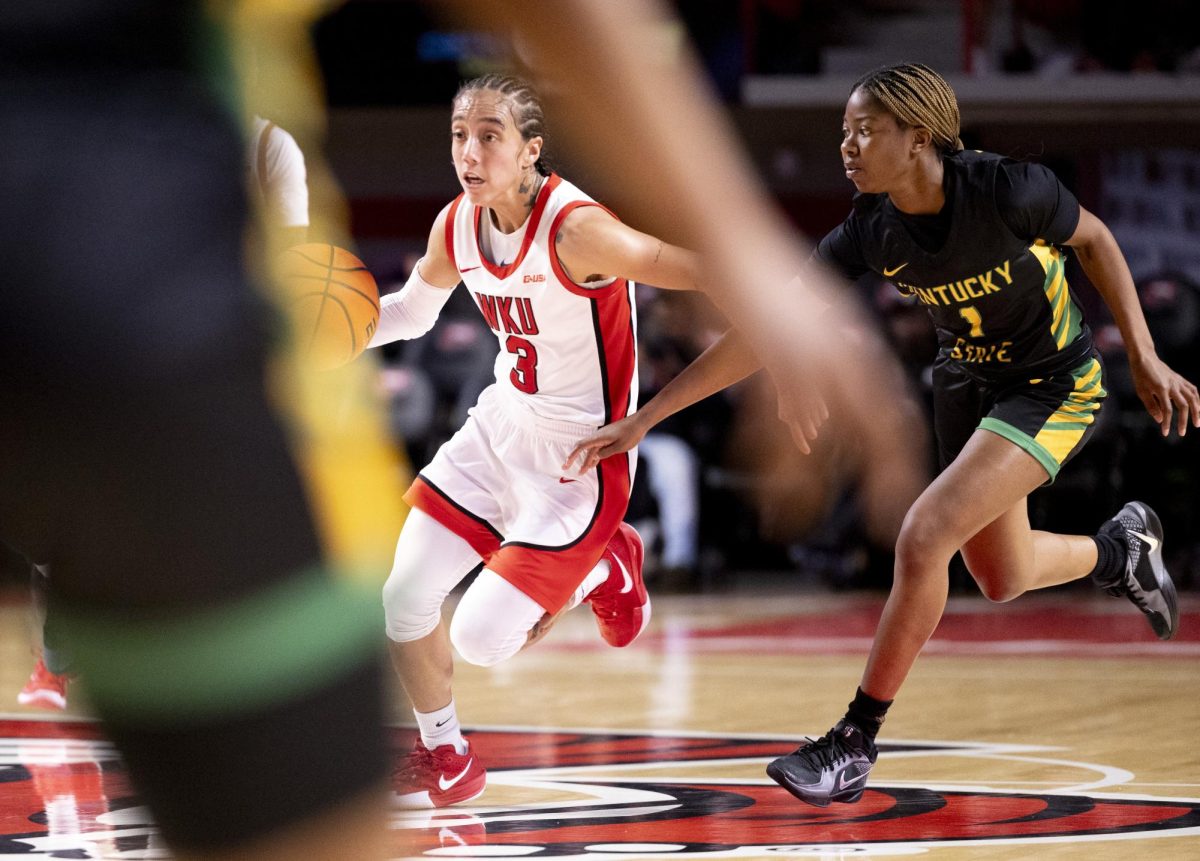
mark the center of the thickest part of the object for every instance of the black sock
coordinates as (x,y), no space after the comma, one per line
(867,713)
(1111,551)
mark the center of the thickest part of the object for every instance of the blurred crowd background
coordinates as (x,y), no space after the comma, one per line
(1107,94)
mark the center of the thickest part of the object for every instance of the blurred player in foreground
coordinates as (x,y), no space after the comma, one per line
(231,660)
(276,181)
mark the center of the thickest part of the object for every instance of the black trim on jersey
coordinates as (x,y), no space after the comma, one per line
(631,404)
(459,508)
(608,416)
(582,535)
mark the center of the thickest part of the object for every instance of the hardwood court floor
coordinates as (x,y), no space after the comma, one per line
(1055,727)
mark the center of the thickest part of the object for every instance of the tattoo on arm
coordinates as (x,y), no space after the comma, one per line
(658,253)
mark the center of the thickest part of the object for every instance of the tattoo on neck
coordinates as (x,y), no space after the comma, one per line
(532,189)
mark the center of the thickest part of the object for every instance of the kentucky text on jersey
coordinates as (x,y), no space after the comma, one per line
(498,312)
(967,290)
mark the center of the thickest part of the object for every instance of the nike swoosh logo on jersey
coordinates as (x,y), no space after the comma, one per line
(843,783)
(567,480)
(888,273)
(444,784)
(1150,540)
(628,580)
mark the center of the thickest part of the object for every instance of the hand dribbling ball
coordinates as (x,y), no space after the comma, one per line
(333,302)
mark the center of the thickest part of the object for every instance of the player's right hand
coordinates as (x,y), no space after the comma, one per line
(609,440)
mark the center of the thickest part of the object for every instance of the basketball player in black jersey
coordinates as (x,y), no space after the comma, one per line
(980,241)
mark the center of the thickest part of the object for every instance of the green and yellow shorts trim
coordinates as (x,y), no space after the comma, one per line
(274,646)
(1050,418)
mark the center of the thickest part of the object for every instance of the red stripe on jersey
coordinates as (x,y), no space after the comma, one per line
(450,230)
(556,264)
(550,575)
(618,349)
(613,317)
(433,501)
(535,219)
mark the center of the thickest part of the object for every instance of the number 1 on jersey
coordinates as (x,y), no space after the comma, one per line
(971,315)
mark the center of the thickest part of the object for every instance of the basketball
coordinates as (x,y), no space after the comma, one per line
(332,301)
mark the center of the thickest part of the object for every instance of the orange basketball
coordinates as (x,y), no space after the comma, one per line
(333,302)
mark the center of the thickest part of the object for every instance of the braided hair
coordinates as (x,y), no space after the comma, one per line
(916,95)
(523,100)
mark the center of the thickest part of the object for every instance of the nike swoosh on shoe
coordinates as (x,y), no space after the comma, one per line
(1150,540)
(843,783)
(444,784)
(628,585)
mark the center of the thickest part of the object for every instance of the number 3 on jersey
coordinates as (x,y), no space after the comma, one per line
(971,315)
(524,373)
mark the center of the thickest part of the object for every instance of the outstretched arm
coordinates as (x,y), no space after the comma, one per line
(726,362)
(411,311)
(1161,390)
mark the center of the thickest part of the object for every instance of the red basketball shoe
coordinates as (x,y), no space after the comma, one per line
(621,603)
(44,689)
(438,777)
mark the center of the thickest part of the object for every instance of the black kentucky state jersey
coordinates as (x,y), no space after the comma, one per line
(988,267)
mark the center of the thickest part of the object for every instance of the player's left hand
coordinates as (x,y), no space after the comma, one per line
(1165,394)
(609,440)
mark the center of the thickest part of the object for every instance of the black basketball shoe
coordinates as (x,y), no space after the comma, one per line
(832,768)
(1144,580)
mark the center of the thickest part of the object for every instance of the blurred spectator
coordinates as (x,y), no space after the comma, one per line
(1105,36)
(1141,36)
(1151,465)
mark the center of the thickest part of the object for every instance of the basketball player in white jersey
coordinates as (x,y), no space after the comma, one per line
(553,274)
(278,179)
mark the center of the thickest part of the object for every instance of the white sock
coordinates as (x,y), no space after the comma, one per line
(441,727)
(597,577)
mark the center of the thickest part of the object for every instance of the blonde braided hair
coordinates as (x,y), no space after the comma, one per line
(916,95)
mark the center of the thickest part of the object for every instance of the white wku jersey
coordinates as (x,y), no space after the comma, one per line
(569,353)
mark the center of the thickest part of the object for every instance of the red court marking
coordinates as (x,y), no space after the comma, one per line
(1070,628)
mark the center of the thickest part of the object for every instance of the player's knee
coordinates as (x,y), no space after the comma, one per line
(410,612)
(999,593)
(995,582)
(483,641)
(916,546)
